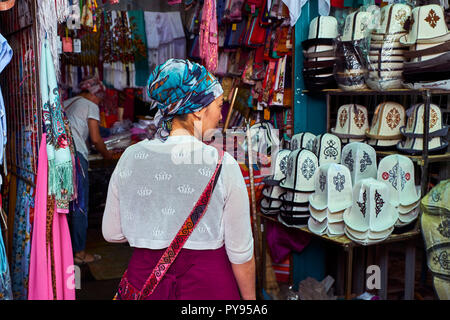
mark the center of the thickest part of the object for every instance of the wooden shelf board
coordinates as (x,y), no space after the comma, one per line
(347,243)
(374,92)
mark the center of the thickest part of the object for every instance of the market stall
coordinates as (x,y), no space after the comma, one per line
(336,112)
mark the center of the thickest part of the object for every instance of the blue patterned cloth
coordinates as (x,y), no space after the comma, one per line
(179,87)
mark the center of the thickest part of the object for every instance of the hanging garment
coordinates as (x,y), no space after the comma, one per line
(141,62)
(209,36)
(59,152)
(5,57)
(5,279)
(51,261)
(21,245)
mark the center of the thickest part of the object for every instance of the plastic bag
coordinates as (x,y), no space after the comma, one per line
(351,69)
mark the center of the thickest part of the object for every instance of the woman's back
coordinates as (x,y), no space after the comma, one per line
(158,184)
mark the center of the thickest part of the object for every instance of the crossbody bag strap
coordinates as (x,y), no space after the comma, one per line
(182,236)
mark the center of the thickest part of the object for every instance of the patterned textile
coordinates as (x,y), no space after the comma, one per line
(21,241)
(60,179)
(5,280)
(94,86)
(179,87)
(209,36)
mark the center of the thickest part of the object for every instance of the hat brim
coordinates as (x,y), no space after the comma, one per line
(403,40)
(315,227)
(318,215)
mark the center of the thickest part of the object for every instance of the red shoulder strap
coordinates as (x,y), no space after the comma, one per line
(182,236)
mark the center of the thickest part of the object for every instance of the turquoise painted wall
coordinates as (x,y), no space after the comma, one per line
(309,111)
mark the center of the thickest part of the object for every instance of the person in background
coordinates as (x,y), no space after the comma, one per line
(157,183)
(84,118)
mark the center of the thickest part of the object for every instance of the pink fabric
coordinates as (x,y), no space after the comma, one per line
(40,280)
(209,36)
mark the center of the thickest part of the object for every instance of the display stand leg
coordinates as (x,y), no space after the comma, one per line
(410,269)
(359,274)
(383,263)
(348,284)
(340,273)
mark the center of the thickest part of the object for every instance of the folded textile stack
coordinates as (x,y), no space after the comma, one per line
(414,131)
(301,168)
(270,203)
(351,123)
(429,48)
(351,66)
(361,159)
(327,148)
(304,140)
(435,226)
(386,56)
(398,172)
(384,131)
(371,218)
(332,196)
(319,55)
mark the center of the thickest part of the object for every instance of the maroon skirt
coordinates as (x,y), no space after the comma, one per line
(194,275)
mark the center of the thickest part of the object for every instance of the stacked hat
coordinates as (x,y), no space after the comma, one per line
(351,65)
(437,201)
(398,172)
(386,56)
(301,169)
(384,131)
(304,140)
(372,217)
(319,55)
(270,203)
(352,123)
(333,194)
(435,226)
(327,148)
(414,131)
(361,159)
(429,45)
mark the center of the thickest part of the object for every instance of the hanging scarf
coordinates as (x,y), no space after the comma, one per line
(209,36)
(60,166)
(179,87)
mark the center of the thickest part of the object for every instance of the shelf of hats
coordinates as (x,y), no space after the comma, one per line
(386,89)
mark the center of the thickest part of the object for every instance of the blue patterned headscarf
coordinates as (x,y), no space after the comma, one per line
(179,87)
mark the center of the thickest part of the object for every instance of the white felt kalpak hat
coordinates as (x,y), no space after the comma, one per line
(371,209)
(367,238)
(335,229)
(393,18)
(352,123)
(386,122)
(331,217)
(423,46)
(304,140)
(407,218)
(295,197)
(333,188)
(323,27)
(356,26)
(361,159)
(270,205)
(327,148)
(317,227)
(415,128)
(398,172)
(278,169)
(428,26)
(301,169)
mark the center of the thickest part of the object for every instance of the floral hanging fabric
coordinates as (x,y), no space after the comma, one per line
(59,149)
(209,36)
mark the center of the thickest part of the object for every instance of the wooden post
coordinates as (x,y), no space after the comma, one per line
(230,112)
(255,217)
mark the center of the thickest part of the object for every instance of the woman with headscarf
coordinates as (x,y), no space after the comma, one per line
(163,189)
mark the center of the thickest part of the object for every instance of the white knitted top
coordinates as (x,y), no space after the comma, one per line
(154,187)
